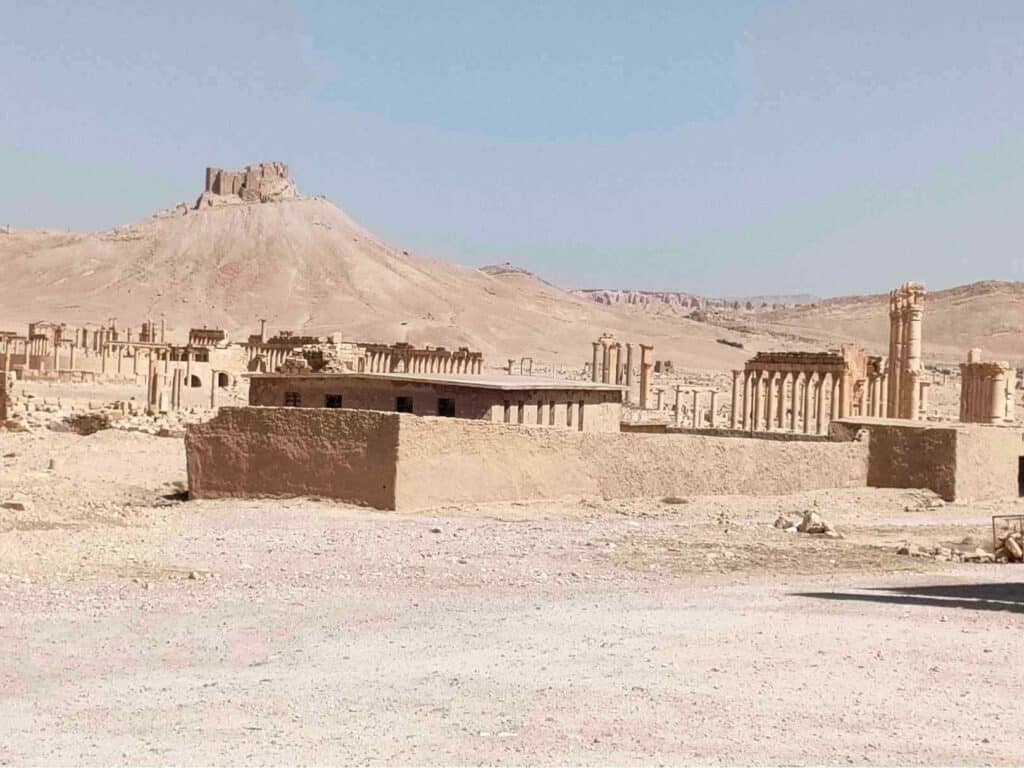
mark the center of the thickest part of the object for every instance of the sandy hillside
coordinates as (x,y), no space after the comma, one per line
(304,264)
(986,314)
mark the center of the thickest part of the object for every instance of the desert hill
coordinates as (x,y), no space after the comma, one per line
(987,314)
(304,265)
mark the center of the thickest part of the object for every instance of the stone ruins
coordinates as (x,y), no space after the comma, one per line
(804,391)
(262,183)
(986,390)
(906,371)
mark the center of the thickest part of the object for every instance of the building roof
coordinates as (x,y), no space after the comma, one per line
(512,383)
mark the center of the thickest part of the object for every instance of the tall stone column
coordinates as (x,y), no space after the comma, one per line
(734,417)
(769,417)
(835,405)
(895,356)
(780,407)
(605,362)
(823,382)
(757,412)
(645,373)
(845,395)
(658,404)
(679,405)
(997,409)
(629,373)
(714,408)
(746,419)
(593,364)
(965,379)
(696,404)
(807,403)
(914,407)
(794,400)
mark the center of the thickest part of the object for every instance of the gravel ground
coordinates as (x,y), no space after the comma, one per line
(137,628)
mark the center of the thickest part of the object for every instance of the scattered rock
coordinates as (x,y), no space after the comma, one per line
(17,506)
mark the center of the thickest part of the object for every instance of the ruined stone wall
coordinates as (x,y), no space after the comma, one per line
(443,461)
(260,183)
(281,452)
(988,462)
(399,461)
(955,461)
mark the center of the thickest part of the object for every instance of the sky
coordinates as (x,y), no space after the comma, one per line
(720,148)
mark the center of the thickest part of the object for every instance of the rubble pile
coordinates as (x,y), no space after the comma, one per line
(811,523)
(1010,547)
(946,554)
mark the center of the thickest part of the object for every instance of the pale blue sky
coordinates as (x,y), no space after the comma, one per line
(720,148)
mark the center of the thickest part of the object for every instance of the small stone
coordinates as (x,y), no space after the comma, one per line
(435,530)
(193,575)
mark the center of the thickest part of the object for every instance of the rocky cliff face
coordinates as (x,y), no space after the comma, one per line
(688,302)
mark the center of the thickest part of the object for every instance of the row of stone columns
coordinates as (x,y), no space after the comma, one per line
(386,361)
(794,401)
(986,390)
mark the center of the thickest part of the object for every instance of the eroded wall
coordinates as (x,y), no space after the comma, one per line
(281,452)
(442,461)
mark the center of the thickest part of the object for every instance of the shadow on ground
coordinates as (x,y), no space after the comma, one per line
(1005,596)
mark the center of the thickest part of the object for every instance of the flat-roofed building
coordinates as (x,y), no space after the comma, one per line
(579,405)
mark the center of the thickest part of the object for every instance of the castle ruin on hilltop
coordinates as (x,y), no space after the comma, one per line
(262,183)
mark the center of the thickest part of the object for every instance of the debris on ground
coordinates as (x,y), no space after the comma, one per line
(811,522)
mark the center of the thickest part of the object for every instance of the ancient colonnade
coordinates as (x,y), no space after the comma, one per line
(608,366)
(407,359)
(986,390)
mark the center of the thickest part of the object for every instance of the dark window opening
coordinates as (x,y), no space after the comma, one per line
(403,404)
(332,401)
(292,399)
(194,382)
(222,380)
(446,406)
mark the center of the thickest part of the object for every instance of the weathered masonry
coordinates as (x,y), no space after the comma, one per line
(575,405)
(904,390)
(804,391)
(986,390)
(404,462)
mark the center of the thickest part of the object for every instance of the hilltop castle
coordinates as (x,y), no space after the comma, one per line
(266,182)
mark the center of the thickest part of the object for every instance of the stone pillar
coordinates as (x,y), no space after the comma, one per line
(645,373)
(845,395)
(605,363)
(794,400)
(997,408)
(757,412)
(658,403)
(696,404)
(770,411)
(593,364)
(914,408)
(820,403)
(965,379)
(924,385)
(806,403)
(679,405)
(835,404)
(629,373)
(213,389)
(714,407)
(734,419)
(781,415)
(895,357)
(746,420)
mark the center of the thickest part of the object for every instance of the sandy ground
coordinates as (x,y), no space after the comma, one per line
(137,628)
